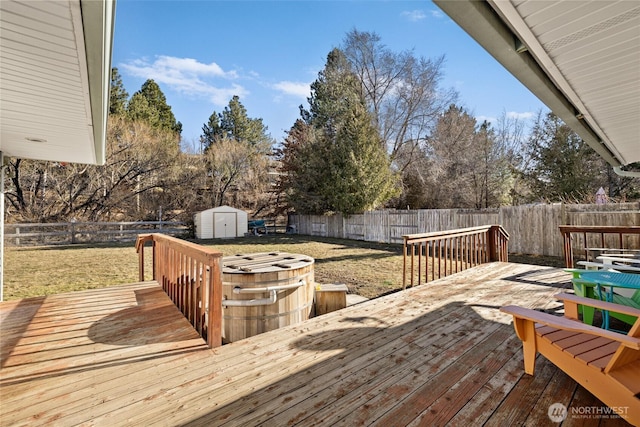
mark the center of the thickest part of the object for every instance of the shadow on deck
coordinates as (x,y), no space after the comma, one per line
(438,354)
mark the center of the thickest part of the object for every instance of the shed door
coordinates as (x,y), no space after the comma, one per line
(224,224)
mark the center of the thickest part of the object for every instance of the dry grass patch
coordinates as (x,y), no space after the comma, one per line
(30,272)
(368,269)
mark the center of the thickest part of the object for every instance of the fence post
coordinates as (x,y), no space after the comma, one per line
(72,226)
(17,238)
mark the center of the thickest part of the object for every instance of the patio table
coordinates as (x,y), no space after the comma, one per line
(593,253)
(620,262)
(608,259)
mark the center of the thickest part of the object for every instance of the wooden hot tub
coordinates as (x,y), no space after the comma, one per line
(265,291)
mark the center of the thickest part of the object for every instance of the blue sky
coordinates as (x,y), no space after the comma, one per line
(201,53)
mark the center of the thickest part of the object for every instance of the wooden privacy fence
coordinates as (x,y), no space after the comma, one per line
(32,234)
(533,229)
(430,256)
(192,277)
(579,239)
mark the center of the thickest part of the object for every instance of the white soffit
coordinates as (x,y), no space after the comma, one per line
(55,59)
(591,51)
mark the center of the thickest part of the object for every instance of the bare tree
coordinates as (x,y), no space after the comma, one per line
(461,166)
(139,165)
(510,141)
(235,171)
(401,90)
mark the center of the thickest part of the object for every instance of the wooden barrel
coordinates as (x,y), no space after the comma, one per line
(265,270)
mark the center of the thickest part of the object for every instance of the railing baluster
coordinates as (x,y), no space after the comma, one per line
(440,241)
(413,249)
(568,232)
(190,289)
(453,250)
(474,250)
(447,256)
(458,254)
(404,262)
(183,283)
(465,252)
(214,329)
(431,257)
(420,248)
(191,276)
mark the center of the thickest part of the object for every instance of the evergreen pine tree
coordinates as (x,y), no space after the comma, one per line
(150,104)
(563,166)
(117,94)
(235,124)
(211,131)
(342,166)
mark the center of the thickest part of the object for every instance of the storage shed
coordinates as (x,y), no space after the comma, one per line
(221,222)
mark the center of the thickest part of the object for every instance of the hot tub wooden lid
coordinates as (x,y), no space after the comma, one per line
(264,262)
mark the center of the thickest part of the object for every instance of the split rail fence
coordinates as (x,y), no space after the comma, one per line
(40,234)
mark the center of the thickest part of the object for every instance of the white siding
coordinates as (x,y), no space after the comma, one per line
(224,224)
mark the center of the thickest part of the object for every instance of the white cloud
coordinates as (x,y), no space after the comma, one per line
(302,90)
(436,13)
(414,15)
(221,96)
(189,77)
(520,116)
(191,66)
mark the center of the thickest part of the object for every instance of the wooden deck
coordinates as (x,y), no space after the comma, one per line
(439,354)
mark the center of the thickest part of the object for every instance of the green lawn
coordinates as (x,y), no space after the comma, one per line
(368,269)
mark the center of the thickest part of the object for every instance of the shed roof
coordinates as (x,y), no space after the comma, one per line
(224,208)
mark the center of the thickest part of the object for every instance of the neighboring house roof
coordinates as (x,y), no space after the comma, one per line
(55,64)
(582,59)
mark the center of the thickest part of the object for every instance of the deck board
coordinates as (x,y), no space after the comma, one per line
(437,354)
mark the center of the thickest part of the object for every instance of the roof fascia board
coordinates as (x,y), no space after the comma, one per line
(485,26)
(98,19)
(78,24)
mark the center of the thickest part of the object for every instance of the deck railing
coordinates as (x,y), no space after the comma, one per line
(430,256)
(581,239)
(192,277)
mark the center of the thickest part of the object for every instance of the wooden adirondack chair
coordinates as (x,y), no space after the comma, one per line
(604,362)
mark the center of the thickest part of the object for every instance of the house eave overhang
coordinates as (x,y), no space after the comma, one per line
(98,18)
(495,27)
(55,61)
